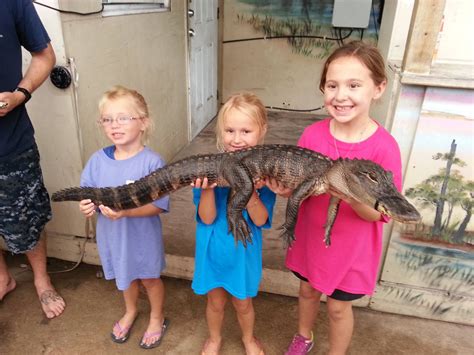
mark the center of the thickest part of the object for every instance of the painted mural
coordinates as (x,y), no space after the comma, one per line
(435,259)
(305,24)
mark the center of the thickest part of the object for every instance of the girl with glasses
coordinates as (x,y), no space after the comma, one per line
(130,241)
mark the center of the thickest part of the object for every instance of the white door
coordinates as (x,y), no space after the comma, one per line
(202,32)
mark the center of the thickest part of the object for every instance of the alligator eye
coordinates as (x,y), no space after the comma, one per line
(371,177)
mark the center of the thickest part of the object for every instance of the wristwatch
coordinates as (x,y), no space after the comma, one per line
(24,92)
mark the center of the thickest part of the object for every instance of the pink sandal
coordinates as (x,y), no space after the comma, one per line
(160,334)
(124,338)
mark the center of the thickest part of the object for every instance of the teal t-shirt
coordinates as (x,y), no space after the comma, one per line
(219,261)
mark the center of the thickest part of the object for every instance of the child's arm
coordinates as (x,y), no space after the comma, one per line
(363,211)
(256,209)
(207,205)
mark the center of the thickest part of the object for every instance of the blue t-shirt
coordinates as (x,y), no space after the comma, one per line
(130,248)
(219,261)
(20,26)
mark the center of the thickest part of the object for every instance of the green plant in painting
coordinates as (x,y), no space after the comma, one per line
(298,32)
(443,192)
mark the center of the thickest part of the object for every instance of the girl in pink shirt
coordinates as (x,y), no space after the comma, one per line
(353,76)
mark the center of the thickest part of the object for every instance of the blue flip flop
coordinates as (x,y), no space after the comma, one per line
(160,335)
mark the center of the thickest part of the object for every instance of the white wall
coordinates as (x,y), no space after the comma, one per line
(144,51)
(455,44)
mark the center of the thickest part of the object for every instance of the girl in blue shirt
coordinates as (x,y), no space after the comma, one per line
(130,242)
(222,267)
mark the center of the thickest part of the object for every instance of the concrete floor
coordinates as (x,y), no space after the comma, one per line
(94,304)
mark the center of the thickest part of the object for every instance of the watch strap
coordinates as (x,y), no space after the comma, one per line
(24,92)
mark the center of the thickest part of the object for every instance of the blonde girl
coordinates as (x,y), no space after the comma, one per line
(130,242)
(223,269)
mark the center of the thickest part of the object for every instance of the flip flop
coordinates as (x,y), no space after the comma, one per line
(124,338)
(160,335)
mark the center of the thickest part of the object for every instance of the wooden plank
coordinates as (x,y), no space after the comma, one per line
(448,76)
(423,35)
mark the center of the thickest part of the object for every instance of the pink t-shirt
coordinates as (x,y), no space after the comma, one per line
(351,262)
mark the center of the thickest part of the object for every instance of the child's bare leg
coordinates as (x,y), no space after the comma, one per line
(308,308)
(341,324)
(246,318)
(130,296)
(216,300)
(156,295)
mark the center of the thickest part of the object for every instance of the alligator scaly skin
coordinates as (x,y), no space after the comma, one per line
(303,170)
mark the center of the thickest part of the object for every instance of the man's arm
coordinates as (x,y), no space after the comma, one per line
(40,67)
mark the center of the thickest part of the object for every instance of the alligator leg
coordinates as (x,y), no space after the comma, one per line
(306,188)
(241,184)
(332,213)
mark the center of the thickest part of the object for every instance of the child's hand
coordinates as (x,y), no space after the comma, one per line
(87,207)
(278,187)
(259,184)
(203,184)
(110,213)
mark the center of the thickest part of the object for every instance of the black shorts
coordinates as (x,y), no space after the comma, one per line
(24,202)
(337,294)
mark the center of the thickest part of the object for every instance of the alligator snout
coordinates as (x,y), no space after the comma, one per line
(398,208)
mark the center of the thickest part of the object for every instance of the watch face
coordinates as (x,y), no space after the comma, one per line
(60,77)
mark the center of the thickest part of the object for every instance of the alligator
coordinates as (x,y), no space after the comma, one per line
(306,172)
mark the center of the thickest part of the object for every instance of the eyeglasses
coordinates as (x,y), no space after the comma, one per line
(121,120)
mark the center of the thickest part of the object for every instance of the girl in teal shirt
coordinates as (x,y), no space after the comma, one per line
(222,267)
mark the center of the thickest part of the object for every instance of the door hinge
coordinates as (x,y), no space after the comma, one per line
(218,13)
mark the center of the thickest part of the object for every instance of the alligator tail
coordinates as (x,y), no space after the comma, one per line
(148,189)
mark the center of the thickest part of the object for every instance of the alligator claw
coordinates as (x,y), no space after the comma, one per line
(327,240)
(240,229)
(287,234)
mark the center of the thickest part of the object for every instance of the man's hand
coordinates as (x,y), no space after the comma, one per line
(10,100)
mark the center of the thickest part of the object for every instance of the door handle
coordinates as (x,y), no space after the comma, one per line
(190,13)
(191,32)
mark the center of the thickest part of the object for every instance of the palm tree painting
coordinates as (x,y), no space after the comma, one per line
(429,268)
(440,178)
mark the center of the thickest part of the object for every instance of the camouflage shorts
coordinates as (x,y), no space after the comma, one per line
(24,201)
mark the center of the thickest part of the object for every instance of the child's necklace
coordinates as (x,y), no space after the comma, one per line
(352,145)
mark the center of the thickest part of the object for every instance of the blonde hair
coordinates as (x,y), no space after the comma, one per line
(365,53)
(138,102)
(248,104)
